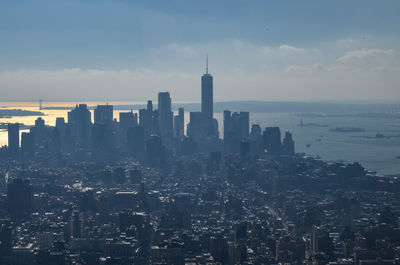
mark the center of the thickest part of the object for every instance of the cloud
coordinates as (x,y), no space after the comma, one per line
(367,53)
(242,70)
(289,48)
(346,41)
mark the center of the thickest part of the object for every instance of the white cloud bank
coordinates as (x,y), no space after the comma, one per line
(242,71)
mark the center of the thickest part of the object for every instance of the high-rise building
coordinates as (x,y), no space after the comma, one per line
(19,198)
(60,125)
(244,125)
(76,224)
(13,137)
(257,147)
(272,140)
(39,123)
(255,131)
(135,139)
(288,144)
(179,124)
(101,136)
(127,119)
(6,238)
(207,96)
(165,115)
(155,151)
(147,119)
(104,114)
(236,129)
(195,128)
(27,144)
(237,123)
(79,119)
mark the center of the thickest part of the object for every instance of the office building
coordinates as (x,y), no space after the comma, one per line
(179,124)
(19,198)
(13,138)
(236,129)
(207,96)
(146,119)
(195,128)
(104,114)
(165,115)
(79,120)
(127,119)
(135,138)
(27,144)
(76,224)
(288,144)
(272,140)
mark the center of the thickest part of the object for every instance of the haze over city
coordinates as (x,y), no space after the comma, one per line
(275,51)
(190,132)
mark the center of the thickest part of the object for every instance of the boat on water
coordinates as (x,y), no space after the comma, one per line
(347,129)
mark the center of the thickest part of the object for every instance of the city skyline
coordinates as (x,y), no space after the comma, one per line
(190,132)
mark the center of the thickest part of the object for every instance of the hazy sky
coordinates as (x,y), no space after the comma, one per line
(259,50)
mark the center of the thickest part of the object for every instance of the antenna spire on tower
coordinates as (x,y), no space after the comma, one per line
(207,63)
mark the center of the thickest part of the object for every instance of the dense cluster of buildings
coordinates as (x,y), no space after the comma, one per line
(141,191)
(155,134)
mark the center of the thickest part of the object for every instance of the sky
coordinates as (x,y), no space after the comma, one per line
(312,50)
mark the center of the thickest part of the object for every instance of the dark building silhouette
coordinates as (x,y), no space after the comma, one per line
(188,146)
(27,144)
(256,140)
(165,115)
(76,224)
(39,123)
(179,124)
(128,119)
(79,120)
(245,151)
(148,120)
(207,96)
(288,144)
(272,140)
(135,138)
(255,131)
(155,151)
(19,198)
(13,138)
(6,238)
(195,128)
(61,125)
(236,129)
(101,136)
(104,114)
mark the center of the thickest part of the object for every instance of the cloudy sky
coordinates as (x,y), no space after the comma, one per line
(314,50)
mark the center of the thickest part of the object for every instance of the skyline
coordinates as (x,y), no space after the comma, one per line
(114,50)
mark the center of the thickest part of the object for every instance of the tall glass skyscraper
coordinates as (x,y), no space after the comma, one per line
(207,96)
(165,114)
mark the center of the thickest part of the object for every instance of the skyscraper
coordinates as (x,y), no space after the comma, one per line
(165,115)
(104,114)
(179,124)
(27,144)
(272,140)
(76,224)
(127,119)
(80,120)
(19,198)
(13,137)
(207,96)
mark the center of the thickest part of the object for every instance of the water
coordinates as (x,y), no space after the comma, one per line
(373,153)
